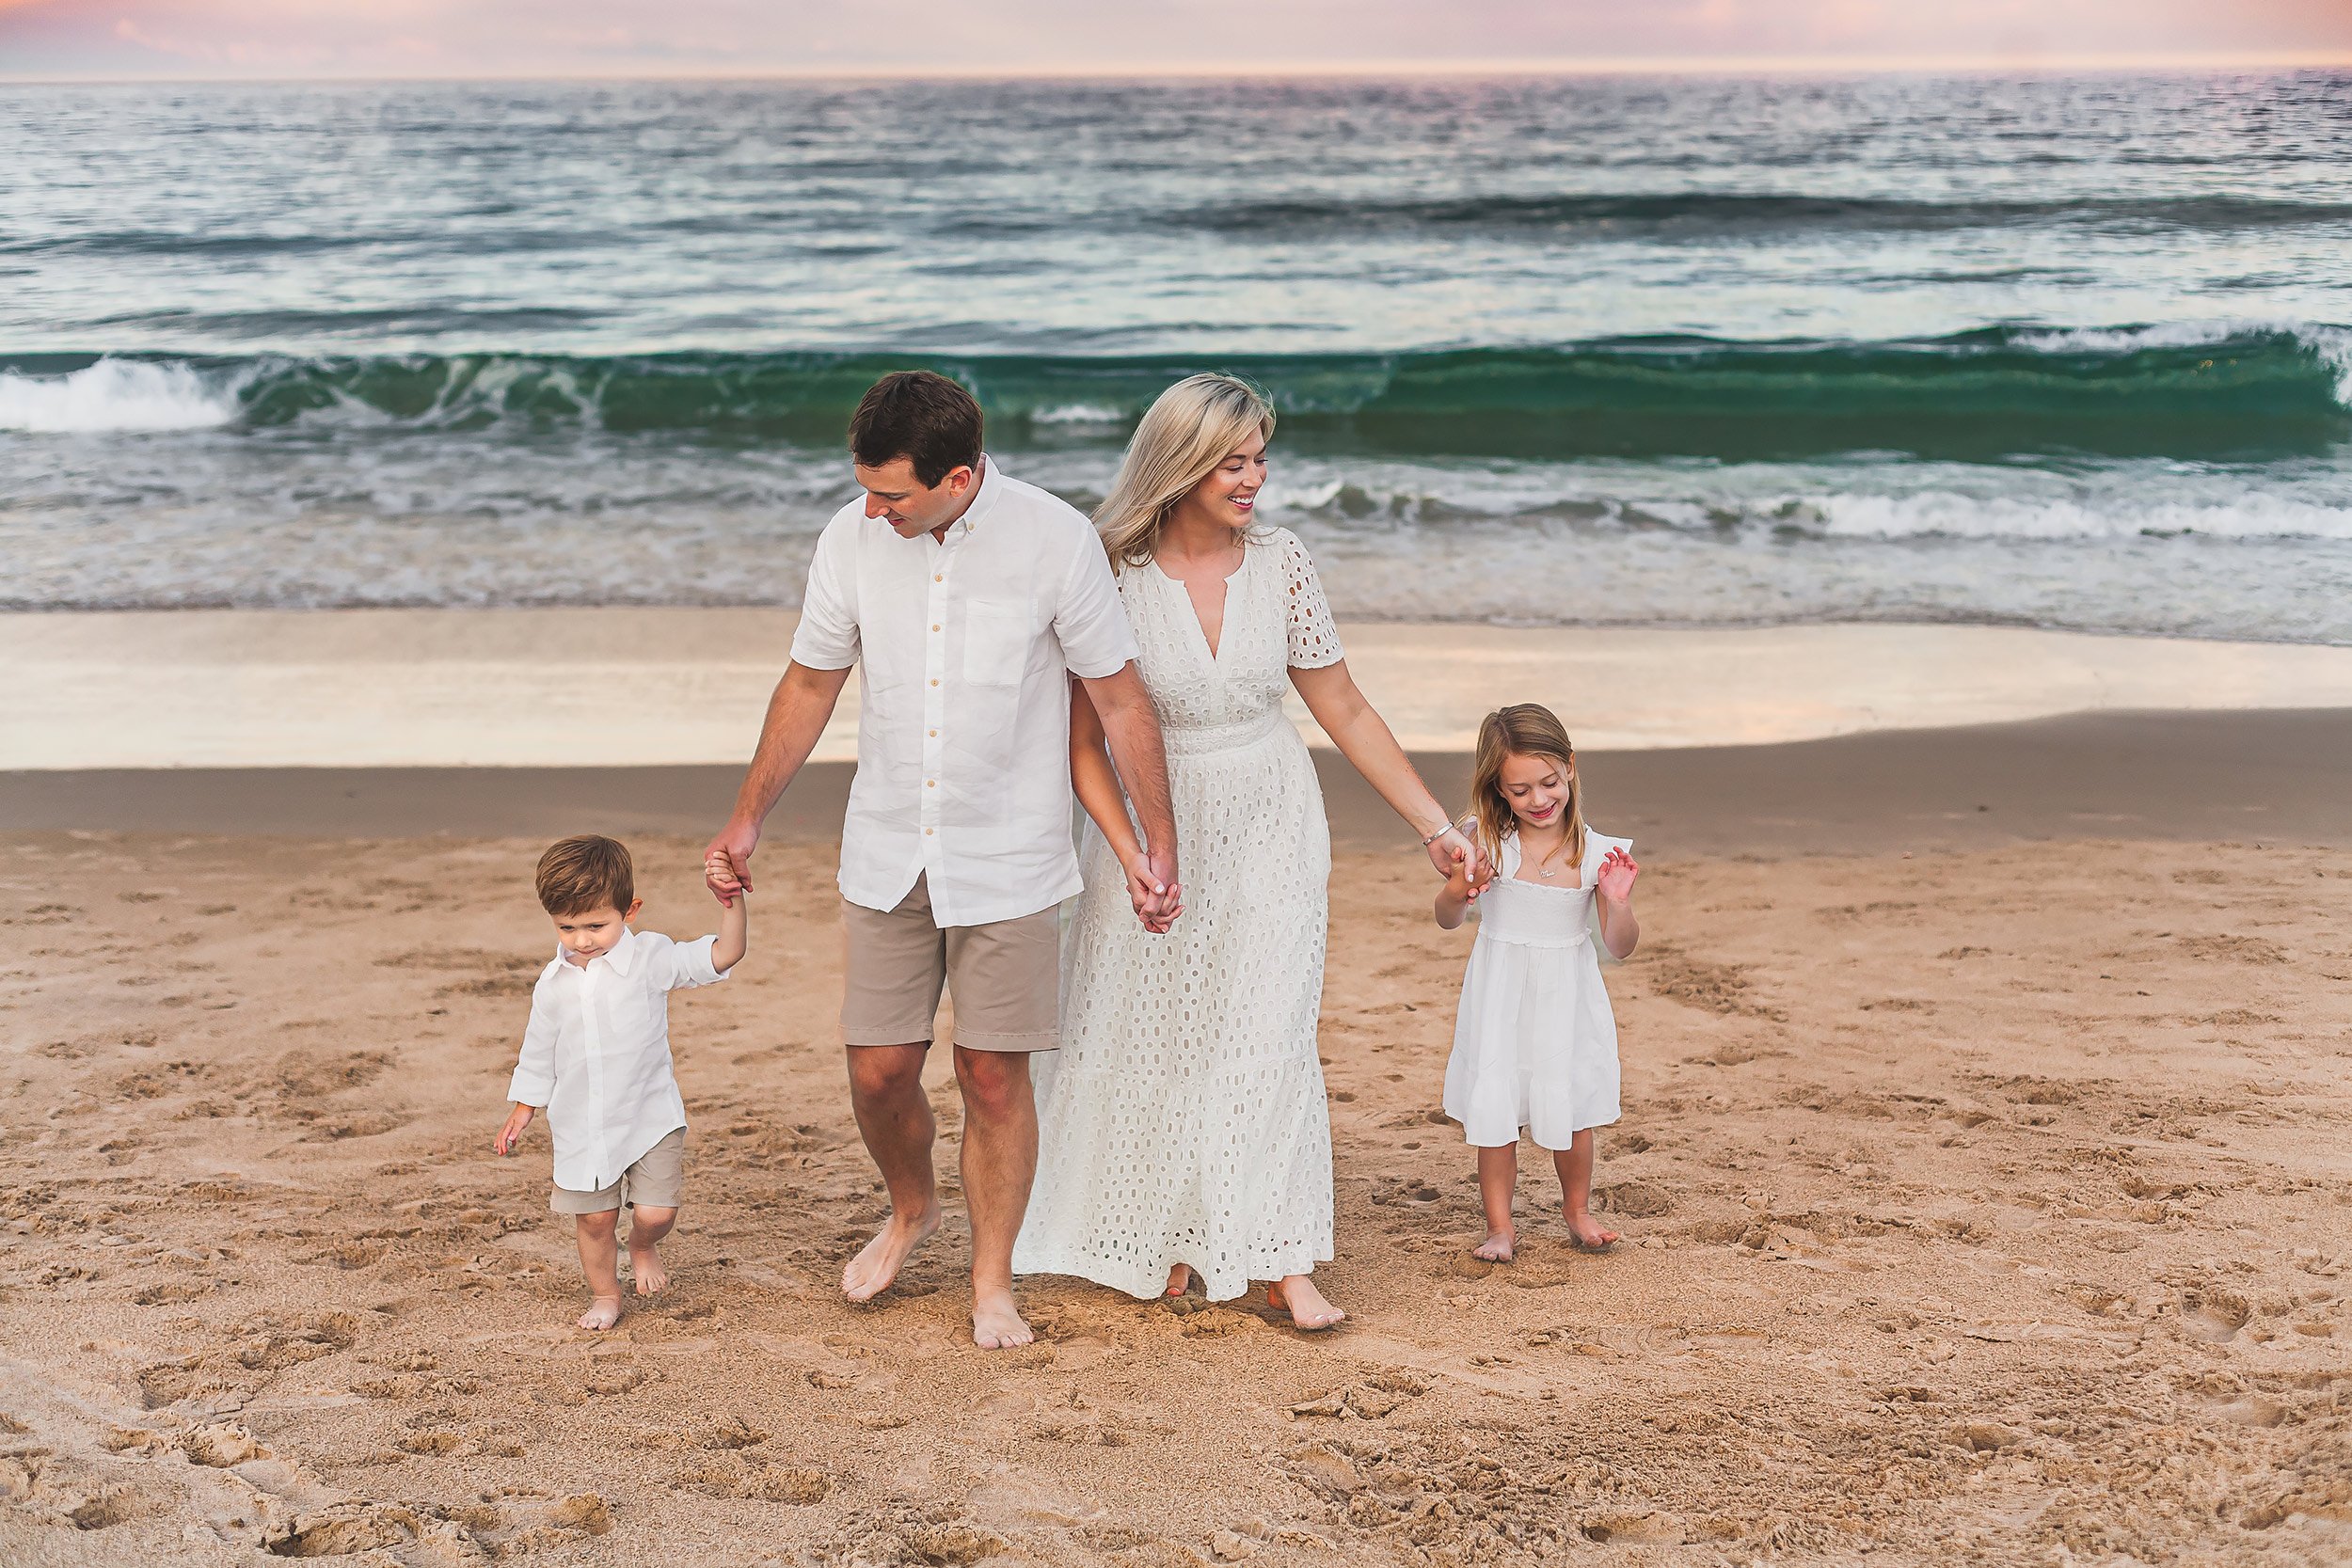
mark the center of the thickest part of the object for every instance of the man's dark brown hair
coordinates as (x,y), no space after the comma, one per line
(589,872)
(920,416)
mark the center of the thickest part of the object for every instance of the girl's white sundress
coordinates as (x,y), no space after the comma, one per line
(1182,1120)
(1534,1040)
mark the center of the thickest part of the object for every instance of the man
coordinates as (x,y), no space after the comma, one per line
(971,599)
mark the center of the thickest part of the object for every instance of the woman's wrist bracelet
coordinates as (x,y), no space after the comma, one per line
(1429,838)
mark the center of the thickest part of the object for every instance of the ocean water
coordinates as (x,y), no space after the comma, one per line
(1621,351)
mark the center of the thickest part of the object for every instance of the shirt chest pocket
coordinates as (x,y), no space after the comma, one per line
(997,636)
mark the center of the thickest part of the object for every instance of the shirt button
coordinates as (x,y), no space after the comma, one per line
(934,681)
(934,626)
(941,578)
(927,833)
(931,783)
(933,732)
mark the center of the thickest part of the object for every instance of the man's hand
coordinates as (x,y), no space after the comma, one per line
(510,1135)
(727,861)
(1151,887)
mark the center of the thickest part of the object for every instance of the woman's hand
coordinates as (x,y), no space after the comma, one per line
(1157,902)
(1461,881)
(1618,871)
(1454,847)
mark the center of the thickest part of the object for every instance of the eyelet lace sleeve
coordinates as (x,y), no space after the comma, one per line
(1315,639)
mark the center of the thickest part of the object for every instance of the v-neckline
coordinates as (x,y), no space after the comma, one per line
(1192,611)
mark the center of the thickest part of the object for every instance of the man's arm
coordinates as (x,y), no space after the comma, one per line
(1132,728)
(803,701)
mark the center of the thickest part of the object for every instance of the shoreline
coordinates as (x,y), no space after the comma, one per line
(573,688)
(2271,777)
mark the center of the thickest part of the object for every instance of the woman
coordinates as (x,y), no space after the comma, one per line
(1182,1125)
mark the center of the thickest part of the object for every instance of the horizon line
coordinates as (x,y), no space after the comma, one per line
(1393,70)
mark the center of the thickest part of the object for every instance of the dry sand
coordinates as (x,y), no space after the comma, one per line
(1985,1204)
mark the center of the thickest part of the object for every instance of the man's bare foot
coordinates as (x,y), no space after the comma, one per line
(870,1273)
(996,1323)
(1586,1234)
(1308,1309)
(603,1312)
(1179,1280)
(646,1264)
(1497,1248)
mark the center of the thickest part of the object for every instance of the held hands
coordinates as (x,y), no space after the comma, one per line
(1153,889)
(1458,881)
(727,862)
(1618,871)
(1455,848)
(511,1135)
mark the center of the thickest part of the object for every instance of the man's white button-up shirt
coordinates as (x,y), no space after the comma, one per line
(596,1054)
(966,646)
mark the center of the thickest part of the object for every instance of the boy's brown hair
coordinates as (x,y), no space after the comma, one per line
(586,872)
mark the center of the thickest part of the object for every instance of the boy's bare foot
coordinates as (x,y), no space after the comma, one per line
(1308,1308)
(1586,1234)
(1497,1248)
(646,1264)
(1179,1280)
(870,1273)
(603,1312)
(996,1323)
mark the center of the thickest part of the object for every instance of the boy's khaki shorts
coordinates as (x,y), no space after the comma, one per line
(657,1181)
(1006,977)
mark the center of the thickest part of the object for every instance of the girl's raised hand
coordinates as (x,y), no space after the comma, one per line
(1618,871)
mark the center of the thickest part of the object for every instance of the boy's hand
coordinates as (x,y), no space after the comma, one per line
(510,1135)
(1618,871)
(727,861)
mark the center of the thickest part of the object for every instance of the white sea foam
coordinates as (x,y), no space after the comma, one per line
(1079,414)
(2333,344)
(111,395)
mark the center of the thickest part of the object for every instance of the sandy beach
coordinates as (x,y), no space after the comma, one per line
(1983,1174)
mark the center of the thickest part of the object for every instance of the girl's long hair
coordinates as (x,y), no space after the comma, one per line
(1525,729)
(1188,430)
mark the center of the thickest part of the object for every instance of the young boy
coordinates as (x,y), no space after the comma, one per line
(597,1056)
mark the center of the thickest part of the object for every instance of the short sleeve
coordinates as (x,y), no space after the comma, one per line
(1091,622)
(828,637)
(1315,639)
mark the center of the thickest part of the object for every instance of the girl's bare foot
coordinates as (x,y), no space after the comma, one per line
(646,1264)
(1586,1234)
(603,1312)
(1497,1248)
(1309,1310)
(1179,1280)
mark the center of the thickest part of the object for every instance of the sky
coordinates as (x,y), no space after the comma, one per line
(82,40)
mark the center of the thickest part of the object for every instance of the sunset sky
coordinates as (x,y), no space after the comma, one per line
(305,38)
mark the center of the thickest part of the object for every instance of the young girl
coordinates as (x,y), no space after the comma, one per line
(1535,1043)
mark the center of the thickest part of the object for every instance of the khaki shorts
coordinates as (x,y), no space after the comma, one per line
(657,1181)
(1006,977)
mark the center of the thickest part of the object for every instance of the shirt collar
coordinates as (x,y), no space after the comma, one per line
(620,957)
(991,487)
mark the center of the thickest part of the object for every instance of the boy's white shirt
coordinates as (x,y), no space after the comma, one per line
(596,1054)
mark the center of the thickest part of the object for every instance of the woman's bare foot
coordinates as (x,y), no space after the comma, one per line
(996,1323)
(1586,1234)
(645,1263)
(1299,1296)
(870,1273)
(1497,1248)
(1179,1280)
(603,1312)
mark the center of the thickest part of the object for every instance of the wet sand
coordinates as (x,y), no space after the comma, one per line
(1984,1177)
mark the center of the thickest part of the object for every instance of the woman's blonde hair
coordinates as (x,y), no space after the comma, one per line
(1188,430)
(1521,730)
